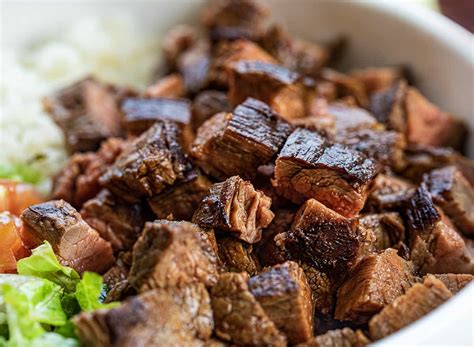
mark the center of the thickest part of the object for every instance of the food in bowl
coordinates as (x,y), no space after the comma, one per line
(251,195)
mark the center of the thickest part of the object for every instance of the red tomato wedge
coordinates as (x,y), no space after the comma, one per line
(11,245)
(16,196)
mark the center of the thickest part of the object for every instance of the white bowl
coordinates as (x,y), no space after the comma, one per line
(440,52)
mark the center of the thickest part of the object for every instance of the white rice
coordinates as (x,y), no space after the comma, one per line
(114,49)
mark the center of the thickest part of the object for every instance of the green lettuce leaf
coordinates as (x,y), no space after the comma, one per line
(43,263)
(89,292)
(20,172)
(54,340)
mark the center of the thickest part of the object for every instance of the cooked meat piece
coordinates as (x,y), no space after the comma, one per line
(238,143)
(235,206)
(206,104)
(454,282)
(389,193)
(376,79)
(175,316)
(170,254)
(435,246)
(423,159)
(87,112)
(78,181)
(238,316)
(345,337)
(282,89)
(418,301)
(346,86)
(322,289)
(386,147)
(451,190)
(376,281)
(236,255)
(234,19)
(193,65)
(75,243)
(118,222)
(267,250)
(351,118)
(175,42)
(116,278)
(322,238)
(150,163)
(171,86)
(387,229)
(324,124)
(284,294)
(181,200)
(309,166)
(140,114)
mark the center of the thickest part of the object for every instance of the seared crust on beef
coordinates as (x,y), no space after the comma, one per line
(346,86)
(208,103)
(454,282)
(389,193)
(236,255)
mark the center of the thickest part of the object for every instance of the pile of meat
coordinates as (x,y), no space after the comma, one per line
(255,196)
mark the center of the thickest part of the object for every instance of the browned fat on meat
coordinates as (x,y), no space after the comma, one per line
(322,238)
(238,316)
(454,282)
(208,103)
(236,255)
(238,143)
(376,79)
(435,245)
(282,89)
(171,86)
(418,301)
(152,162)
(346,86)
(116,221)
(87,112)
(345,337)
(235,206)
(454,194)
(179,316)
(75,243)
(284,294)
(389,193)
(309,166)
(171,254)
(78,181)
(182,199)
(376,281)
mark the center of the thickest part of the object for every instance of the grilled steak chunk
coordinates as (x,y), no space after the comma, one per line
(309,166)
(376,281)
(389,193)
(322,289)
(345,337)
(346,86)
(350,118)
(174,316)
(193,65)
(170,254)
(418,301)
(116,221)
(238,143)
(75,243)
(116,278)
(454,282)
(376,79)
(87,112)
(238,316)
(450,190)
(235,206)
(182,199)
(206,104)
(79,180)
(236,255)
(388,105)
(171,86)
(284,293)
(150,163)
(322,238)
(386,229)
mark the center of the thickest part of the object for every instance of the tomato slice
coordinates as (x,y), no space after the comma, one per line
(11,245)
(16,196)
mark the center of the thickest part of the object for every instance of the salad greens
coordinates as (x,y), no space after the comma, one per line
(36,305)
(20,172)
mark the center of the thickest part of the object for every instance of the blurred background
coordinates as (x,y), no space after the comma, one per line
(460,11)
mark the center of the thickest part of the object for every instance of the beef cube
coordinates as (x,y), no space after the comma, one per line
(435,246)
(267,250)
(118,222)
(87,112)
(78,181)
(376,79)
(151,163)
(75,243)
(345,337)
(238,143)
(116,279)
(284,294)
(387,230)
(193,65)
(351,118)
(454,282)
(322,289)
(206,104)
(236,256)
(322,238)
(309,166)
(175,42)
(418,301)
(181,200)
(238,316)
(346,86)
(140,114)
(170,254)
(235,206)
(275,85)
(171,86)
(454,194)
(175,316)
(389,193)
(376,281)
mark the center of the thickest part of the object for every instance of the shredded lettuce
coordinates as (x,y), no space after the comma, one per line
(88,292)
